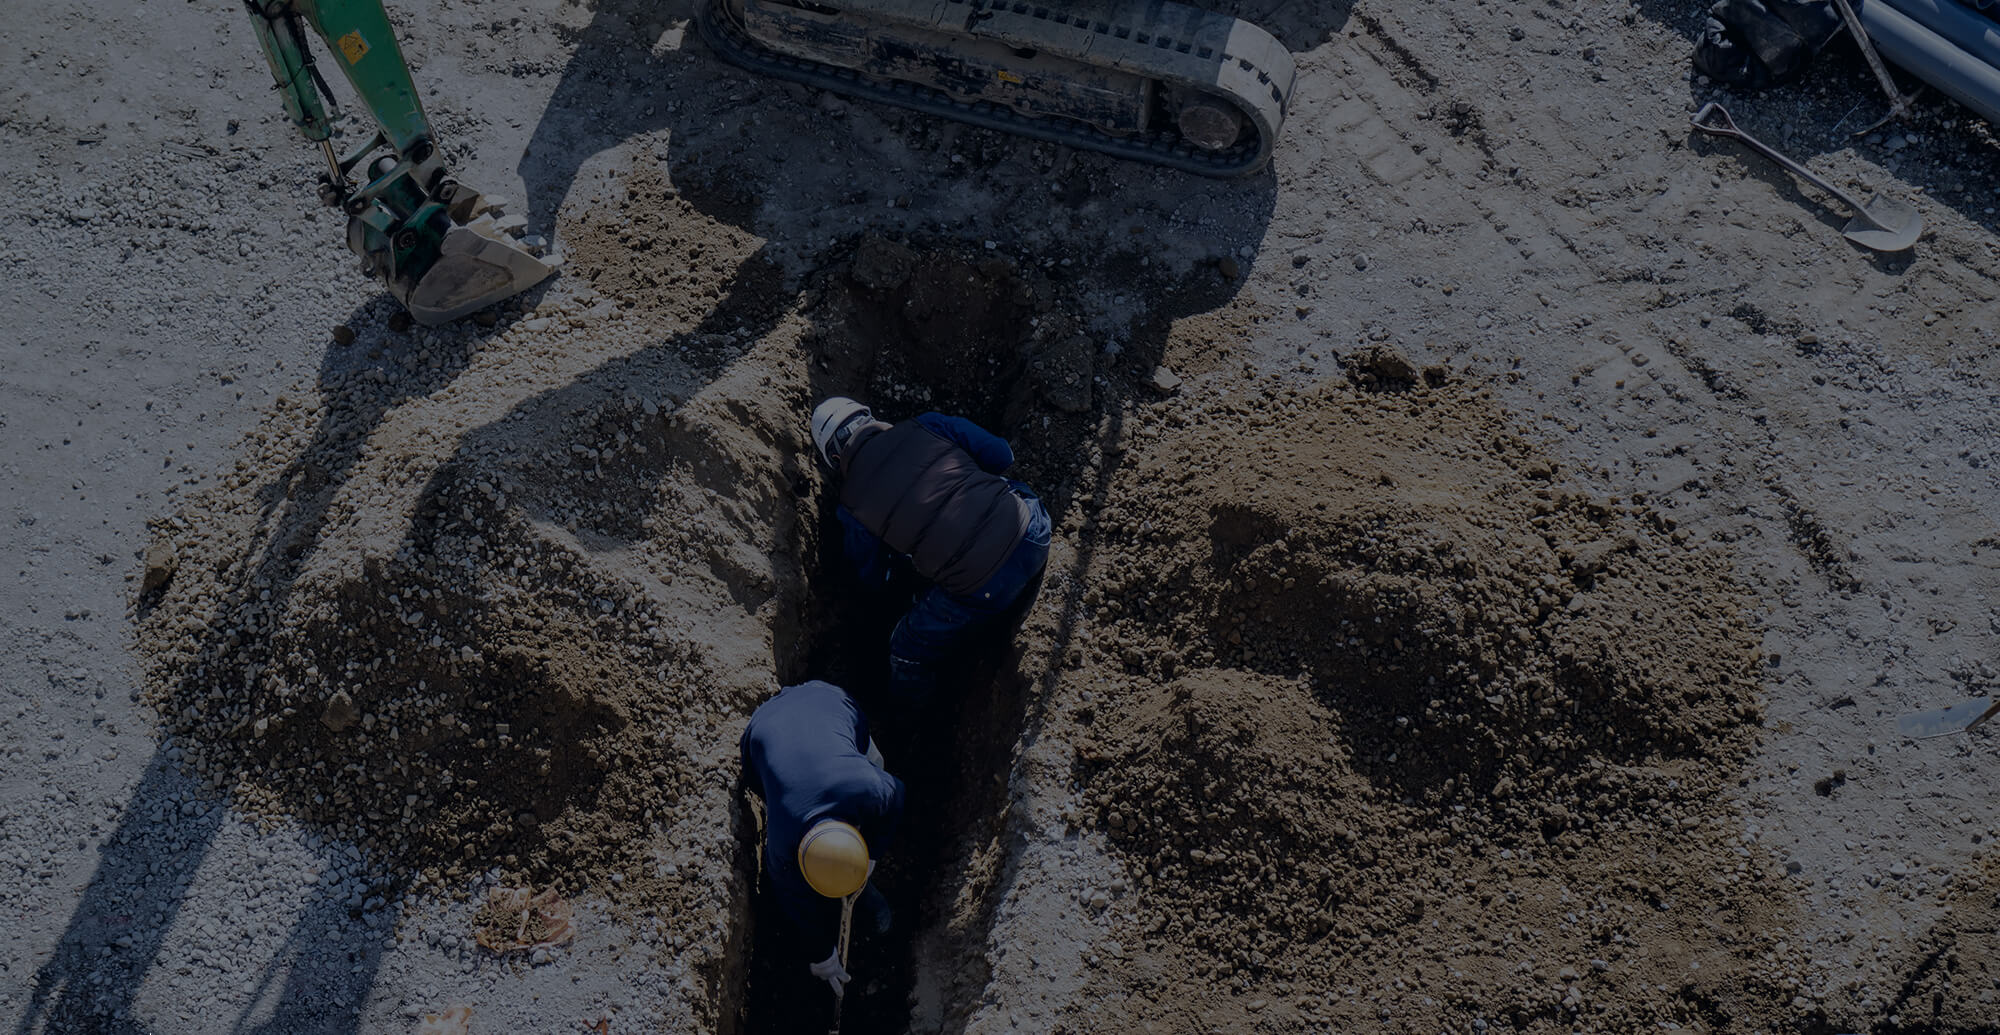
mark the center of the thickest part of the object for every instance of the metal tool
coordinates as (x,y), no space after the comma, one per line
(1884,224)
(1958,718)
(846,931)
(1899,105)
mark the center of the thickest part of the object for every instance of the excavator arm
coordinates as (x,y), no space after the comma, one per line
(428,238)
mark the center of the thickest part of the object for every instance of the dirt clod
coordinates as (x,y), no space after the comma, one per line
(1063,372)
(160,564)
(339,712)
(881,264)
(1378,367)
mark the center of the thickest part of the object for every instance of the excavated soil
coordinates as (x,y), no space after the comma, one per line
(1379,721)
(1359,685)
(1390,729)
(488,631)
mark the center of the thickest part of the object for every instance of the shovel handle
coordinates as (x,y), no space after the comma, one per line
(1714,118)
(1706,120)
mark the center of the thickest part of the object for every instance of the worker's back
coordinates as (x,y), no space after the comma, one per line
(805,751)
(927,497)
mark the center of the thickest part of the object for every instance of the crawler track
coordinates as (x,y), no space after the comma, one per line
(1220,58)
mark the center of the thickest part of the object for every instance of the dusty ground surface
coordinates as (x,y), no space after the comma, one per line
(1493,546)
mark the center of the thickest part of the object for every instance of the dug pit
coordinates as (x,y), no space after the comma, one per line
(913,327)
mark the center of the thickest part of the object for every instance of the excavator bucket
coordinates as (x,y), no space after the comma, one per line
(476,267)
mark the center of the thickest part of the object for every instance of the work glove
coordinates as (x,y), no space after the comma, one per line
(830,971)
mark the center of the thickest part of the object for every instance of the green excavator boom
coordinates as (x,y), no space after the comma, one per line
(431,240)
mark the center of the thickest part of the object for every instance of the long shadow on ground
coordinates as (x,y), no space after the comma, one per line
(93,980)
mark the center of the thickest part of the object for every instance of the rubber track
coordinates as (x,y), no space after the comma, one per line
(721,31)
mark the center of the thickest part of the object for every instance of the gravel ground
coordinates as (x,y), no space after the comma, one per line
(1506,191)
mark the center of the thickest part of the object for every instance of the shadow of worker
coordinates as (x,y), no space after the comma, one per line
(123,934)
(118,932)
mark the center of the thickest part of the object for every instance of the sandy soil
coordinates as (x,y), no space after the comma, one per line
(1493,547)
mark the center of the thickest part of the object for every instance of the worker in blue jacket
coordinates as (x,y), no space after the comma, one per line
(932,494)
(829,809)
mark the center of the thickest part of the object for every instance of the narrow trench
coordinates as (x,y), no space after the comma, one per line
(992,343)
(953,761)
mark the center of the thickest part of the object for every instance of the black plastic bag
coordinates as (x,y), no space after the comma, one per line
(1752,44)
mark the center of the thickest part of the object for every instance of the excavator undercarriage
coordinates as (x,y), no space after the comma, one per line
(1147,80)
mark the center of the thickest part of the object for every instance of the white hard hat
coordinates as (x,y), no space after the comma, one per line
(833,858)
(837,414)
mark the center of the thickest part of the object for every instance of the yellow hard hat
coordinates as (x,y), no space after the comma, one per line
(834,858)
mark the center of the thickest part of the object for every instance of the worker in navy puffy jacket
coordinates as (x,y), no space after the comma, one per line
(829,809)
(931,493)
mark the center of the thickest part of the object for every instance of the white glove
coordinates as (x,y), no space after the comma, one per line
(830,971)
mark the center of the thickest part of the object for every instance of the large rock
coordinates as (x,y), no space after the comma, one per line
(161,563)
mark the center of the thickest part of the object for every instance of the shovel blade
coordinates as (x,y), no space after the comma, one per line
(1940,721)
(1885,224)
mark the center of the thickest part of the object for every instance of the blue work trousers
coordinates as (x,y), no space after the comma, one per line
(939,624)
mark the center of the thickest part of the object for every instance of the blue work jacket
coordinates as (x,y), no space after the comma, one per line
(805,753)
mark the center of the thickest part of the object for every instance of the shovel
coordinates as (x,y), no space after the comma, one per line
(1884,224)
(1962,716)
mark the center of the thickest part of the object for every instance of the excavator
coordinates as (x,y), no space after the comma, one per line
(1147,80)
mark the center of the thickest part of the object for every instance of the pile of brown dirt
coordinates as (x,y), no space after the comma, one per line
(1395,731)
(460,663)
(1475,622)
(502,602)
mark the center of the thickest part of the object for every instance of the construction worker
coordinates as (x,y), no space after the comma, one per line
(929,494)
(828,807)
